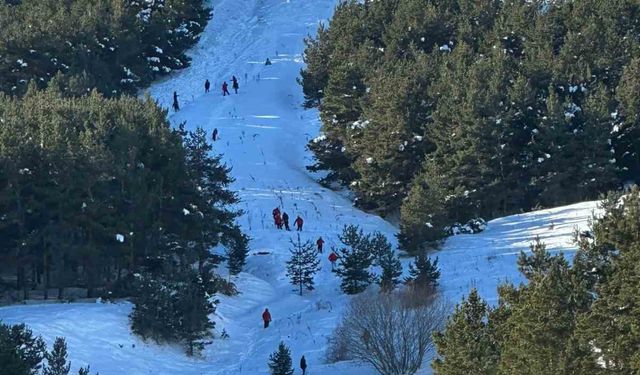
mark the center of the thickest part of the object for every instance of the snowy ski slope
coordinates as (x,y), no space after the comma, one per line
(263,132)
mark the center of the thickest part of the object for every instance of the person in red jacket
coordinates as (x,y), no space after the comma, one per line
(277,220)
(320,242)
(266,317)
(298,223)
(332,258)
(225,89)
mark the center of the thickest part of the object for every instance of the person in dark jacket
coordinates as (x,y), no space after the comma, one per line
(176,106)
(268,62)
(225,89)
(303,365)
(234,84)
(207,86)
(266,318)
(320,242)
(298,223)
(214,135)
(285,221)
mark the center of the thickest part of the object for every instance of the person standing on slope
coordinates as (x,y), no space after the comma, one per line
(266,317)
(235,84)
(175,105)
(285,221)
(214,135)
(303,365)
(320,242)
(225,89)
(207,86)
(277,220)
(332,258)
(298,223)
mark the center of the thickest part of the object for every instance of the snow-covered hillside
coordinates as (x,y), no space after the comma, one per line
(263,131)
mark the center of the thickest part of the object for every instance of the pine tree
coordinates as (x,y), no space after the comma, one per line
(538,335)
(237,253)
(423,272)
(611,323)
(391,271)
(626,127)
(378,245)
(392,140)
(57,359)
(280,361)
(20,352)
(314,76)
(211,179)
(303,265)
(174,307)
(195,308)
(468,344)
(355,260)
(537,263)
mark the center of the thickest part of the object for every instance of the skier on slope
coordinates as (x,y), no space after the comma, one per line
(235,84)
(175,105)
(225,89)
(303,365)
(285,221)
(298,223)
(333,257)
(207,86)
(214,135)
(266,317)
(320,242)
(268,62)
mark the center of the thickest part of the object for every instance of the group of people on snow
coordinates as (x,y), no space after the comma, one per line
(207,87)
(281,220)
(225,87)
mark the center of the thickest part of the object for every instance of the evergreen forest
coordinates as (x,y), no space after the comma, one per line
(115,46)
(442,112)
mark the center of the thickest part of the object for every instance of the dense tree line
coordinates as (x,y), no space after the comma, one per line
(568,319)
(446,111)
(94,190)
(113,45)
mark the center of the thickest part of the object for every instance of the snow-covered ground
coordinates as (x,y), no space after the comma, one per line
(263,132)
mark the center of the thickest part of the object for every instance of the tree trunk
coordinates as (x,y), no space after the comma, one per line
(25,285)
(47,278)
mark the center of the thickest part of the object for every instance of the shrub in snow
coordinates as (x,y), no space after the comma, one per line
(376,321)
(471,227)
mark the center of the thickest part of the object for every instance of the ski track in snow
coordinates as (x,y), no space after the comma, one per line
(262,134)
